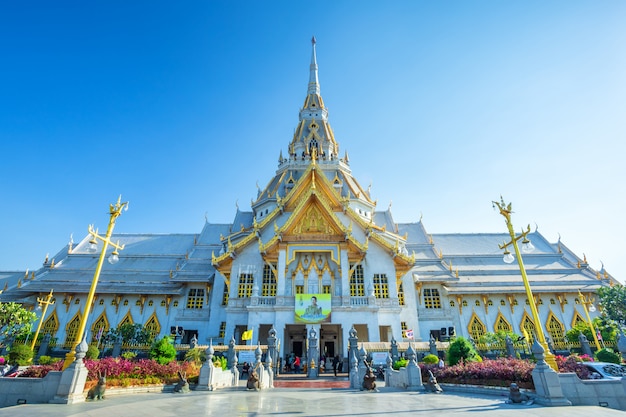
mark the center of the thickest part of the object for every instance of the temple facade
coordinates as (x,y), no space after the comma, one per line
(313,251)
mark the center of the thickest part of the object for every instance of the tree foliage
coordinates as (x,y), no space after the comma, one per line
(163,351)
(608,355)
(130,334)
(607,327)
(462,349)
(613,301)
(196,355)
(498,338)
(15,321)
(20,355)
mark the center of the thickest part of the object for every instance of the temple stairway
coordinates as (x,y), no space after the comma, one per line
(324,381)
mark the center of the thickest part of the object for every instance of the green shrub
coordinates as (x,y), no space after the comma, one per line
(196,355)
(608,355)
(45,360)
(431,359)
(400,363)
(462,349)
(20,355)
(220,362)
(162,351)
(130,355)
(92,352)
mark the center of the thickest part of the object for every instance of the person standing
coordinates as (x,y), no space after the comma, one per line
(296,365)
(336,364)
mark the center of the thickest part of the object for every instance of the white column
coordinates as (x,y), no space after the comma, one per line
(345,274)
(282,282)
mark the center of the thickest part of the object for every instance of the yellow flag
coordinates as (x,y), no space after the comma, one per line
(526,335)
(247,335)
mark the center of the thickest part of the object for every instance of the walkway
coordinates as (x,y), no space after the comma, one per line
(281,402)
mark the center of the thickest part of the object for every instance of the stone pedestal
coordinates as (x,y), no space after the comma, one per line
(414,373)
(313,355)
(205,379)
(355,382)
(72,384)
(43,346)
(584,345)
(547,384)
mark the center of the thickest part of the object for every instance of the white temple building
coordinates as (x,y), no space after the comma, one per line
(313,235)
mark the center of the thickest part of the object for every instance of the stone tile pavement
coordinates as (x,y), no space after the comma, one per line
(302,402)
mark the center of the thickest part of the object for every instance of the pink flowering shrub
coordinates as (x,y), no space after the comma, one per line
(573,364)
(143,369)
(120,371)
(39,371)
(497,372)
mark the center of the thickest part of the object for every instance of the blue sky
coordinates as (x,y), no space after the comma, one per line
(183,108)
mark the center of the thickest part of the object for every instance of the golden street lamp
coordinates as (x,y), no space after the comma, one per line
(115,211)
(45,303)
(588,301)
(527,247)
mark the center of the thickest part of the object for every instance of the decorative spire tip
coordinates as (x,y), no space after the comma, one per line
(313,41)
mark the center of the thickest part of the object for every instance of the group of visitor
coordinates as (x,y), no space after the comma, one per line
(293,364)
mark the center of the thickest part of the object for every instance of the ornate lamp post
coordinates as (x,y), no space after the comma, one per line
(588,306)
(527,247)
(115,211)
(45,303)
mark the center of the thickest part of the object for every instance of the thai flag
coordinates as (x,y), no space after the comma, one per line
(100,333)
(409,334)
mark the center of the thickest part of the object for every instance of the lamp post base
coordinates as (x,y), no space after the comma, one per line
(549,357)
(70,357)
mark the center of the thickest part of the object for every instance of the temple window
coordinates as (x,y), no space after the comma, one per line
(476,329)
(245,285)
(269,282)
(432,298)
(401,294)
(357,282)
(404,328)
(225,295)
(195,298)
(381,286)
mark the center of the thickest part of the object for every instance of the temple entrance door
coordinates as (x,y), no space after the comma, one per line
(294,340)
(297,348)
(331,340)
(329,349)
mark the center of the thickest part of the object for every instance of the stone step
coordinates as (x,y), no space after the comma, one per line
(311,383)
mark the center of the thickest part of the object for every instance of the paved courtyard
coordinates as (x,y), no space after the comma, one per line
(302,402)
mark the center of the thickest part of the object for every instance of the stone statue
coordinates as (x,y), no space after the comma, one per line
(432,385)
(97,391)
(369,380)
(515,396)
(253,381)
(182,385)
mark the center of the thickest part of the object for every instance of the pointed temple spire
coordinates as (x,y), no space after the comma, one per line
(314,85)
